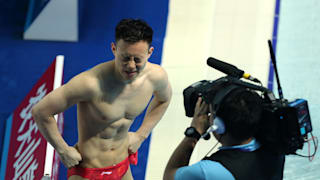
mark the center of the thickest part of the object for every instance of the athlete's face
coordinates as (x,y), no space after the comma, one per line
(131,58)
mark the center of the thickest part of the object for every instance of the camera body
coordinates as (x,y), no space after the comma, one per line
(205,89)
(283,125)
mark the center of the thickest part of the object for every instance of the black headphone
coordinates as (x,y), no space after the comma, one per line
(218,123)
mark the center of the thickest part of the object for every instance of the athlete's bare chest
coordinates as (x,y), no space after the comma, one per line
(126,103)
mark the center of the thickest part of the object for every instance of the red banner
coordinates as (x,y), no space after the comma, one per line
(27,147)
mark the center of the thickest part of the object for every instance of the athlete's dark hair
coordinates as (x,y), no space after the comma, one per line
(241,113)
(133,30)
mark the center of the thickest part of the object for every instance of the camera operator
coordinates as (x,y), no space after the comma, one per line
(241,156)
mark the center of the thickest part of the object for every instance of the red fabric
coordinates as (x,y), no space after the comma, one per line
(133,158)
(115,172)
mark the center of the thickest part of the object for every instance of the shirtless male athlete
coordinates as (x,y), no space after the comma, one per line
(109,97)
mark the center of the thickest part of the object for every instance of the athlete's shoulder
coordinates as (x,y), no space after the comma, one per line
(103,67)
(86,82)
(156,73)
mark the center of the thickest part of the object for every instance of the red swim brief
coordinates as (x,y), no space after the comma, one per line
(115,172)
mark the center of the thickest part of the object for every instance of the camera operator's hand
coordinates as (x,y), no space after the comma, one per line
(200,118)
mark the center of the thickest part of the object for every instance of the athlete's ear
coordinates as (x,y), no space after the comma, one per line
(113,48)
(150,51)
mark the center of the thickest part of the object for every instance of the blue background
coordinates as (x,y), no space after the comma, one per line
(23,62)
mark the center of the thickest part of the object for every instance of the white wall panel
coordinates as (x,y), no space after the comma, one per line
(231,30)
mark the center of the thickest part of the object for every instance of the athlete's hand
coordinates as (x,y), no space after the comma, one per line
(70,157)
(135,141)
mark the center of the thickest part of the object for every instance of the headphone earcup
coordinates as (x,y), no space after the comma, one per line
(220,127)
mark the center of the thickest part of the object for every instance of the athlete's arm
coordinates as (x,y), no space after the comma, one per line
(156,109)
(158,105)
(80,88)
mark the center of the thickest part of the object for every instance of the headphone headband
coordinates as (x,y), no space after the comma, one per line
(221,94)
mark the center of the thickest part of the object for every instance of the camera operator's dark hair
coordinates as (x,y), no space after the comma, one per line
(241,113)
(133,30)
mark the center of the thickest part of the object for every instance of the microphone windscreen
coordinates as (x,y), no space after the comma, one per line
(225,67)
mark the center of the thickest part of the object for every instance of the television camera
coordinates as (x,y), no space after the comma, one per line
(284,125)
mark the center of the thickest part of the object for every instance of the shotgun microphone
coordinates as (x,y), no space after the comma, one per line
(229,69)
